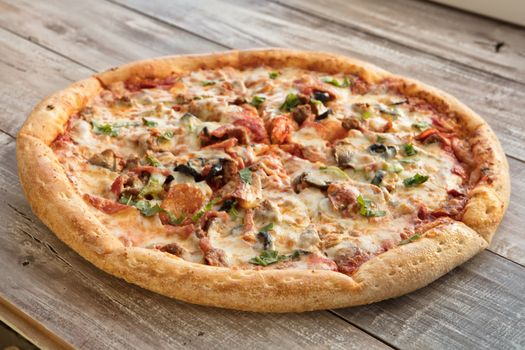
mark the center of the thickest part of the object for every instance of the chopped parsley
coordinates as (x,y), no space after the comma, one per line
(246,176)
(365,208)
(410,239)
(273,74)
(149,123)
(290,102)
(105,128)
(268,257)
(365,115)
(208,82)
(344,84)
(152,161)
(166,136)
(153,187)
(173,220)
(415,180)
(422,125)
(145,207)
(267,228)
(206,208)
(257,100)
(409,149)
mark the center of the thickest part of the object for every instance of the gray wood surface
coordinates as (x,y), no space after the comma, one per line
(494,47)
(47,45)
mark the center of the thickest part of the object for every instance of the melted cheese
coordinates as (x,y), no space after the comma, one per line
(168,123)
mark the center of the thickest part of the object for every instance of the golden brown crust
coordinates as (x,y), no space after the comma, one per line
(393,273)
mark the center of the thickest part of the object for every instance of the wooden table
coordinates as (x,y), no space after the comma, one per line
(57,300)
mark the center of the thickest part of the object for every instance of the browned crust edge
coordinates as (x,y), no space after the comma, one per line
(393,273)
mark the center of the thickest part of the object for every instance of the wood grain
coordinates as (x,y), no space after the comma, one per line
(453,35)
(479,305)
(97,33)
(247,24)
(88,308)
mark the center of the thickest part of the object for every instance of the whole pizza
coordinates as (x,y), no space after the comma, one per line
(264,180)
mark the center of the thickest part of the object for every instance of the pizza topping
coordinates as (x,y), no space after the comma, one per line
(259,169)
(415,180)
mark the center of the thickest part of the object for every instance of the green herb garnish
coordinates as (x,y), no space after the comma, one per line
(410,239)
(153,187)
(152,161)
(344,84)
(145,207)
(173,220)
(273,75)
(149,123)
(415,180)
(366,210)
(166,136)
(267,228)
(246,176)
(267,257)
(409,149)
(422,125)
(290,102)
(106,128)
(206,208)
(257,101)
(208,82)
(365,115)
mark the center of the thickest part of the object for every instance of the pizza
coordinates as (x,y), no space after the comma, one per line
(264,180)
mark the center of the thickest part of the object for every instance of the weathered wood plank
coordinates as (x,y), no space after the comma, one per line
(89,309)
(479,305)
(29,73)
(245,24)
(487,44)
(97,33)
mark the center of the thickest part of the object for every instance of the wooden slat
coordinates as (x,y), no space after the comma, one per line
(87,308)
(479,305)
(245,24)
(455,35)
(97,33)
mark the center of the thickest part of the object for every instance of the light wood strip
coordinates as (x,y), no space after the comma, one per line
(490,45)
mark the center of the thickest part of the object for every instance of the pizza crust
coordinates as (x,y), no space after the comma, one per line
(393,273)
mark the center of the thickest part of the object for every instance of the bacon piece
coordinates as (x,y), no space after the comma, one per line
(172,248)
(349,260)
(207,218)
(343,198)
(328,129)
(105,205)
(318,262)
(226,144)
(256,128)
(182,199)
(184,231)
(212,256)
(226,132)
(425,134)
(248,195)
(118,185)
